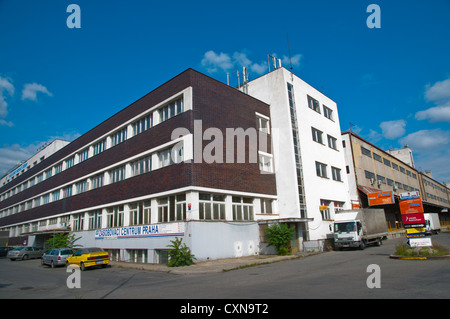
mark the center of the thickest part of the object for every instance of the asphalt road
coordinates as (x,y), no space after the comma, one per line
(340,274)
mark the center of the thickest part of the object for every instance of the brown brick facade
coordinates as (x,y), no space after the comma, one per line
(215,103)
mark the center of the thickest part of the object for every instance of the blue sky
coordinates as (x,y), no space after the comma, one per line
(392,83)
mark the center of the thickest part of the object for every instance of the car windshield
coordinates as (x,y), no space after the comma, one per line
(19,248)
(344,227)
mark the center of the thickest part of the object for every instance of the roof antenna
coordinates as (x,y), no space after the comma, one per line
(289,50)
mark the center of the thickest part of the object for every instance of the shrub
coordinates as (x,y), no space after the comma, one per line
(62,240)
(279,236)
(179,254)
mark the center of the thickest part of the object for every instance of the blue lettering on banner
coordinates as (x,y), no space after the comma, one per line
(139,232)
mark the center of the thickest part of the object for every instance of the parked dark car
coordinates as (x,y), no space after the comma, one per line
(24,252)
(56,257)
(4,251)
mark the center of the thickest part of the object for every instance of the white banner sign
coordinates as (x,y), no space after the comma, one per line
(420,242)
(157,230)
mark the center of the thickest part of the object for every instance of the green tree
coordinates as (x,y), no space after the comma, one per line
(179,254)
(279,236)
(61,240)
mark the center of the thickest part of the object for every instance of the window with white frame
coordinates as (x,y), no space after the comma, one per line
(172,208)
(99,147)
(317,135)
(83,155)
(141,166)
(266,206)
(78,221)
(70,162)
(332,142)
(321,170)
(114,216)
(67,191)
(119,137)
(81,186)
(336,174)
(97,181)
(171,110)
(262,124)
(265,162)
(140,213)
(325,209)
(142,125)
(327,112)
(242,208)
(211,206)
(313,104)
(95,219)
(117,174)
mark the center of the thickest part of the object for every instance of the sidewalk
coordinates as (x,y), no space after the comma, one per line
(213,266)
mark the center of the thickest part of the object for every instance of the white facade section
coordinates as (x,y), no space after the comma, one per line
(322,164)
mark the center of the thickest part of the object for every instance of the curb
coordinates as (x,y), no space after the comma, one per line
(419,258)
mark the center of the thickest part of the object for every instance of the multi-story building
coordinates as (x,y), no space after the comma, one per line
(308,154)
(191,159)
(371,169)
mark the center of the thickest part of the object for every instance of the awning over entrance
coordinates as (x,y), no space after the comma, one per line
(46,232)
(285,220)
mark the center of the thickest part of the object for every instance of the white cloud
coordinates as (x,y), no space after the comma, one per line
(393,129)
(439,93)
(30,91)
(213,61)
(226,62)
(6,123)
(435,114)
(427,140)
(5,87)
(10,155)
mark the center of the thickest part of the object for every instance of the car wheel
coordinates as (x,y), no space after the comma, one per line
(25,257)
(82,267)
(52,264)
(42,262)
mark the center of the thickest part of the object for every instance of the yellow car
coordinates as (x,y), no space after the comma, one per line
(88,257)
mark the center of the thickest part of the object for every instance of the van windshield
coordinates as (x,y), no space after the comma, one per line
(344,227)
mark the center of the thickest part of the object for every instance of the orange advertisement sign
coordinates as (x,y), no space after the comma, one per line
(381,198)
(411,206)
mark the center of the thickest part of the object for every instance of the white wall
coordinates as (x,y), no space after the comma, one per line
(272,89)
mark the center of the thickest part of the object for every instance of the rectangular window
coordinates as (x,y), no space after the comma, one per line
(317,135)
(48,173)
(381,179)
(332,142)
(313,104)
(100,147)
(97,181)
(143,125)
(387,162)
(402,169)
(265,163)
(81,187)
(140,213)
(366,152)
(78,221)
(95,219)
(336,174)
(70,162)
(137,255)
(262,124)
(141,166)
(67,191)
(266,206)
(242,208)
(58,168)
(377,157)
(211,206)
(390,182)
(119,137)
(369,175)
(114,217)
(326,215)
(55,195)
(172,208)
(328,113)
(117,174)
(321,169)
(395,166)
(171,110)
(83,155)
